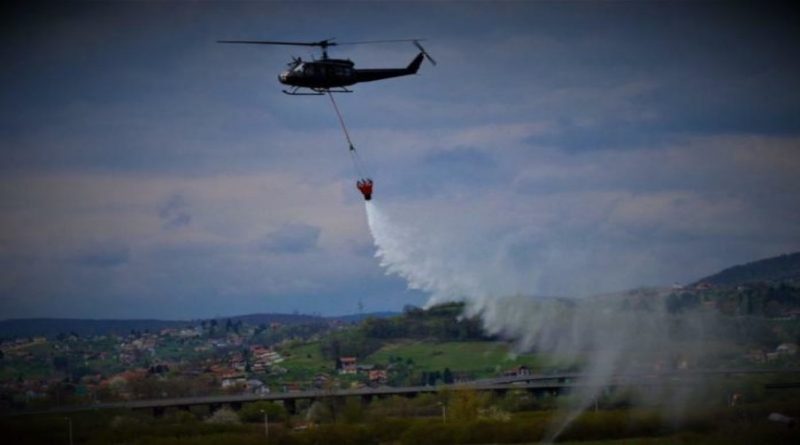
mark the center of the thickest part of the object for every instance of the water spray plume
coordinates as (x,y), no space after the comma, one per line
(617,339)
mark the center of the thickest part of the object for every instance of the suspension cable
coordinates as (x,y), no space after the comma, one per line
(341,122)
(358,163)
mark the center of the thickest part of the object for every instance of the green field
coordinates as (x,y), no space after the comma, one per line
(480,358)
(303,360)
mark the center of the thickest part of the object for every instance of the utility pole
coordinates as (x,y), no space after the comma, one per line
(69,422)
(266,424)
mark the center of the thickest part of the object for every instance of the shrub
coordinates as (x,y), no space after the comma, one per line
(430,433)
(126,422)
(319,412)
(182,417)
(254,412)
(464,404)
(224,416)
(336,434)
(353,411)
(388,430)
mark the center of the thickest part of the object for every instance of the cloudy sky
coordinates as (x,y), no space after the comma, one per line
(147,171)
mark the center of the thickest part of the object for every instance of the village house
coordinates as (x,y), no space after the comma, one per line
(291,387)
(348,365)
(189,333)
(321,380)
(365,368)
(233,379)
(518,371)
(263,358)
(256,386)
(378,376)
(786,349)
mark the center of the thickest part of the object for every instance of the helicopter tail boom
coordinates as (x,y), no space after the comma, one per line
(413,67)
(368,75)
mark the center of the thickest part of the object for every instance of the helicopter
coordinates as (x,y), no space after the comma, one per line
(326,75)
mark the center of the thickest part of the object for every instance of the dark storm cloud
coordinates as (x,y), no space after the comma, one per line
(292,238)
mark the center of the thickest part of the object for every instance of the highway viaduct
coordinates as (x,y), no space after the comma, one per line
(536,384)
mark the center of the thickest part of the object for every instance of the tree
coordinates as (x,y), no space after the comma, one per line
(224,416)
(254,412)
(61,363)
(353,411)
(320,412)
(464,404)
(447,376)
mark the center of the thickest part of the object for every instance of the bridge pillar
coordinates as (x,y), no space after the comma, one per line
(158,411)
(537,393)
(366,399)
(290,405)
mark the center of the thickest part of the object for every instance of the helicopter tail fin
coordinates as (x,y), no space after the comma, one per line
(413,67)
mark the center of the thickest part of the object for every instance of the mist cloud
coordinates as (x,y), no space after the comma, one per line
(501,279)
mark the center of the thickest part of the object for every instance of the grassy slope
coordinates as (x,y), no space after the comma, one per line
(303,361)
(481,358)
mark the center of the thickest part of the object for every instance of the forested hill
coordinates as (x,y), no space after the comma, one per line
(51,327)
(779,269)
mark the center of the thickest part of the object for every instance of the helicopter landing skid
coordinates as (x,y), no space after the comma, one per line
(296,91)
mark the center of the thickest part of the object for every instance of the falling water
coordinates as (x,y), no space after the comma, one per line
(627,334)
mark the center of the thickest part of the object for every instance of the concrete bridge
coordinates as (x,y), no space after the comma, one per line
(536,384)
(289,399)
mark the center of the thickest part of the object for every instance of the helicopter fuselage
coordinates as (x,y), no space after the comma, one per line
(323,75)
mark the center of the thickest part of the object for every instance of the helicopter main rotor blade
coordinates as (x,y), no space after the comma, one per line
(322,43)
(379,41)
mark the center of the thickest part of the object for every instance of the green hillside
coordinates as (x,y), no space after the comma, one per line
(474,357)
(779,269)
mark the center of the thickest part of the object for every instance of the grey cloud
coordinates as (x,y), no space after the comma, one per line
(292,238)
(143,89)
(442,170)
(103,256)
(174,213)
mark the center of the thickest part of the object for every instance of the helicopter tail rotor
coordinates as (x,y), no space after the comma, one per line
(425,53)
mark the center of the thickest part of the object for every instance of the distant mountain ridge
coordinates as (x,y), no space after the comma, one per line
(51,327)
(780,269)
